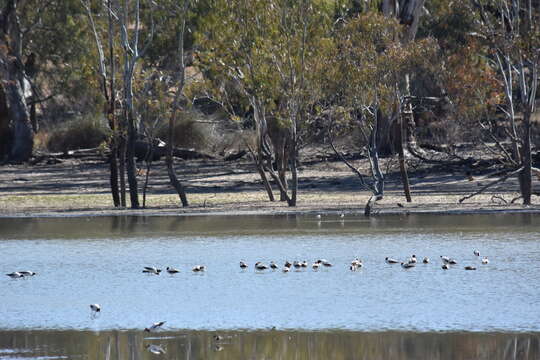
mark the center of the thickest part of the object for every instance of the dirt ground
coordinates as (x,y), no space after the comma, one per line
(76,187)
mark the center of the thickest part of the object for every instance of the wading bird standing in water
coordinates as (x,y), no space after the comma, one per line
(95,309)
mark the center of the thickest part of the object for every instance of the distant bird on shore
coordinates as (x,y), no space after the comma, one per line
(198,268)
(155,349)
(95,309)
(155,326)
(426,260)
(15,275)
(151,270)
(476,252)
(391,261)
(243,265)
(485,260)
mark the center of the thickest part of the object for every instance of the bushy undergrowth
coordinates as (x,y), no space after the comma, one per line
(188,132)
(83,133)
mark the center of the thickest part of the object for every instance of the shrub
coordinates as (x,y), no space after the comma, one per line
(87,132)
(188,133)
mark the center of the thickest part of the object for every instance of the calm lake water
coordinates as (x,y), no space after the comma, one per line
(379,310)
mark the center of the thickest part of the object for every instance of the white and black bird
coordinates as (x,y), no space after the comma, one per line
(151,270)
(445,259)
(273,265)
(476,252)
(155,326)
(198,268)
(15,275)
(426,260)
(243,265)
(95,309)
(286,269)
(469,267)
(260,266)
(452,262)
(412,260)
(27,273)
(445,266)
(485,260)
(315,266)
(172,271)
(155,349)
(407,265)
(391,260)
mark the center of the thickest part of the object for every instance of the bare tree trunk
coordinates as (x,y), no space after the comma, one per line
(294,173)
(407,113)
(113,164)
(525,177)
(12,78)
(23,138)
(176,184)
(122,167)
(130,165)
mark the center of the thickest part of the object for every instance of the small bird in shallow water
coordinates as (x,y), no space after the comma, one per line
(15,275)
(485,260)
(407,265)
(199,268)
(95,307)
(243,265)
(155,349)
(445,259)
(412,260)
(391,261)
(286,269)
(476,252)
(426,260)
(260,266)
(445,266)
(452,262)
(172,271)
(468,267)
(273,265)
(155,326)
(151,270)
(315,266)
(288,264)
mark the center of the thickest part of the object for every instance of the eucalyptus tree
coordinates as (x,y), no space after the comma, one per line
(365,71)
(265,48)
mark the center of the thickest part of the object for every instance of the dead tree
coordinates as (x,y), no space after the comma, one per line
(108,88)
(132,54)
(371,133)
(180,82)
(510,29)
